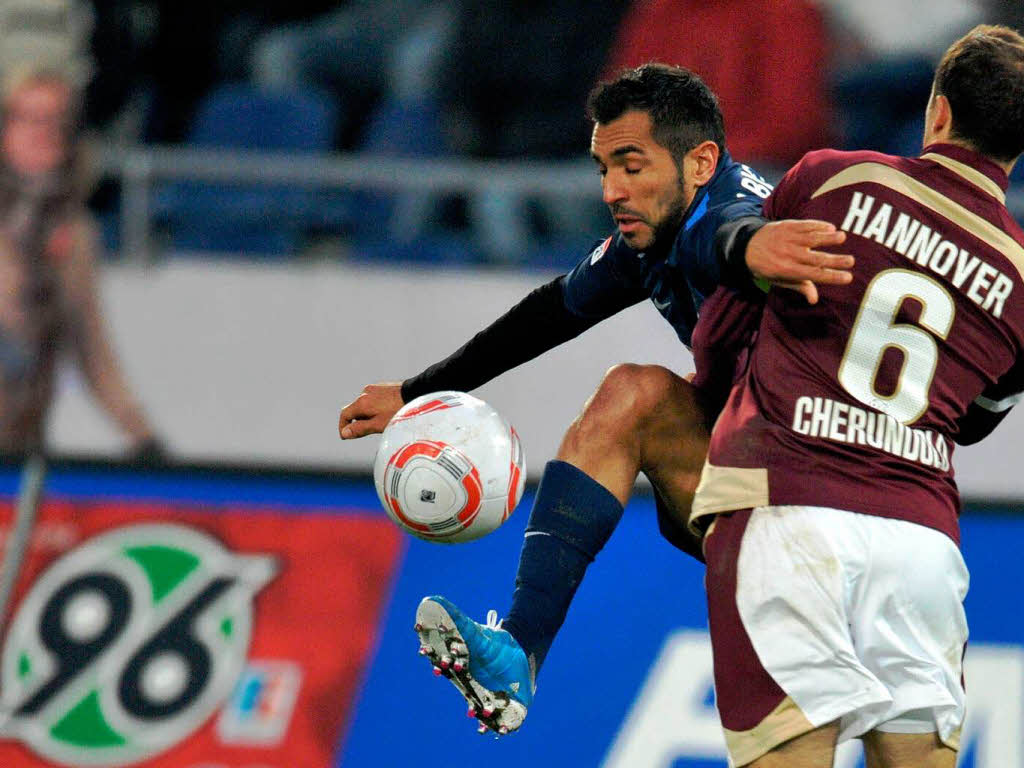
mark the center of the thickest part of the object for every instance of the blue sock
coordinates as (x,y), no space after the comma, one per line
(572,518)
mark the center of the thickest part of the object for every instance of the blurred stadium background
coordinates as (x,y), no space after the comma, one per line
(299,198)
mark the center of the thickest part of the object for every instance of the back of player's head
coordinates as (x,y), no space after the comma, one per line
(683,110)
(982,76)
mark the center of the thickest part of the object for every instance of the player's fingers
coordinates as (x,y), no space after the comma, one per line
(804,287)
(820,238)
(832,260)
(358,410)
(810,291)
(813,265)
(814,225)
(345,426)
(362,407)
(832,277)
(362,428)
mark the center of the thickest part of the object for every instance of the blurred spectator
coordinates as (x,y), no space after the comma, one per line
(885,63)
(763,58)
(182,61)
(517,77)
(120,35)
(48,244)
(355,52)
(48,33)
(514,86)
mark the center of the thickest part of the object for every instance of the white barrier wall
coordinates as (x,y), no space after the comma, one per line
(245,362)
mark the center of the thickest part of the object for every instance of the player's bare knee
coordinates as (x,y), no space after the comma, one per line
(612,414)
(629,395)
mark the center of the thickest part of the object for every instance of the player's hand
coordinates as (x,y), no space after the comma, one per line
(369,413)
(784,253)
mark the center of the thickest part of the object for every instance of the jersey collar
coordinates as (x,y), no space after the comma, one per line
(972,166)
(699,205)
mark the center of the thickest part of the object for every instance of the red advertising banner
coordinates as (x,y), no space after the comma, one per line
(163,636)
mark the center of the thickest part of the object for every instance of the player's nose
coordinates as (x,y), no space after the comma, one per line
(613,192)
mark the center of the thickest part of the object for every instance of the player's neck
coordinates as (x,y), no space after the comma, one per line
(1006,165)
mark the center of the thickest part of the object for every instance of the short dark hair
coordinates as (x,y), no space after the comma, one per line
(683,110)
(982,76)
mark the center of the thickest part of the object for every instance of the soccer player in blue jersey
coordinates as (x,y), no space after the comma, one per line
(669,182)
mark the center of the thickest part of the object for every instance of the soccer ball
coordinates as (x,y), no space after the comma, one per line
(449,468)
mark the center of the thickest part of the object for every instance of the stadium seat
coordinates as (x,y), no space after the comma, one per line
(243,117)
(400,128)
(243,217)
(449,250)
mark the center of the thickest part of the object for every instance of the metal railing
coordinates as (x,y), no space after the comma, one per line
(139,169)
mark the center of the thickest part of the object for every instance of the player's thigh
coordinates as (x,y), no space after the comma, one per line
(674,445)
(815,749)
(674,439)
(907,750)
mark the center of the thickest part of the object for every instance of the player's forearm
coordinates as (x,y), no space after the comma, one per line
(536,324)
(731,241)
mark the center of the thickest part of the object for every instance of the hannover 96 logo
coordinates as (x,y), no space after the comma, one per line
(126,645)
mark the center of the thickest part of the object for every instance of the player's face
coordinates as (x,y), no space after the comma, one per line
(641,183)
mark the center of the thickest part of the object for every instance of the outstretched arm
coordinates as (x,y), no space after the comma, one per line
(538,323)
(550,315)
(783,253)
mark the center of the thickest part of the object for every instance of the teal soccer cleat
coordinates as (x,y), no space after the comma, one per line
(484,662)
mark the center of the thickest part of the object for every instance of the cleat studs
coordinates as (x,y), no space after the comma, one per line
(417,627)
(437,671)
(459,649)
(446,661)
(458,666)
(503,731)
(487,712)
(424,650)
(471,712)
(482,729)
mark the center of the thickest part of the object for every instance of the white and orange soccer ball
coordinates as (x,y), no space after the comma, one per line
(449,468)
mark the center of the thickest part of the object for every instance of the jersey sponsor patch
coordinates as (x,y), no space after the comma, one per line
(597,253)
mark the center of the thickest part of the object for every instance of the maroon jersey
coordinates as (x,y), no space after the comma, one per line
(855,402)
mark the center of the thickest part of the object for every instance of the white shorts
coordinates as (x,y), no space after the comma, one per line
(820,614)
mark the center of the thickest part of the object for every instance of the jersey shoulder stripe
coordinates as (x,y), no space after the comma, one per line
(902,183)
(974,176)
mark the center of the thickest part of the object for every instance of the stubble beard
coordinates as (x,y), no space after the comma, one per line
(665,230)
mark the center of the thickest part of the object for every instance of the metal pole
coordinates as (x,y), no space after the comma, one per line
(33,475)
(135,207)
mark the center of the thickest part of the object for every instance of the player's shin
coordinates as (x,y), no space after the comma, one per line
(572,518)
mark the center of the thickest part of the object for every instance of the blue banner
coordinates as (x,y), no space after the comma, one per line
(628,681)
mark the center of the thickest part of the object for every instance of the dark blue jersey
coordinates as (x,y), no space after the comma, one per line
(678,279)
(610,278)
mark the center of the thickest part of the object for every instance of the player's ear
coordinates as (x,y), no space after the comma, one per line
(702,162)
(941,117)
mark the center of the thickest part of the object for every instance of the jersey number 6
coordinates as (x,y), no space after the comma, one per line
(875,331)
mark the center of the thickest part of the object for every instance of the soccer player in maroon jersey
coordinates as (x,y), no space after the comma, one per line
(835,582)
